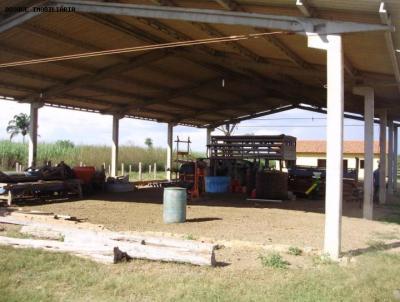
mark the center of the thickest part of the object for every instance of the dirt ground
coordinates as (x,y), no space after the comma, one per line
(230,220)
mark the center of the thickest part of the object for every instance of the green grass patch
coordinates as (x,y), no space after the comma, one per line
(323,259)
(190,237)
(274,260)
(295,251)
(33,275)
(387,235)
(90,155)
(376,245)
(16,234)
(392,218)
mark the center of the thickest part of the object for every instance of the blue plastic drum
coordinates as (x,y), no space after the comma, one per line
(174,208)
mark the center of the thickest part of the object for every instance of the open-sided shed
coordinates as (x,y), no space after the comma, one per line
(327,56)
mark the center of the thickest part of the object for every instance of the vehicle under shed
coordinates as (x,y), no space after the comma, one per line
(212,63)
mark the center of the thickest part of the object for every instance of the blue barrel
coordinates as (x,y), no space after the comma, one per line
(217,184)
(174,209)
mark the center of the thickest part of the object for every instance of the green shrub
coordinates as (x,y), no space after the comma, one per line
(190,237)
(295,251)
(323,259)
(274,260)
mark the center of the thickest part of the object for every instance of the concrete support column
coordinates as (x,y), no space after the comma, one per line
(390,159)
(368,94)
(208,139)
(382,157)
(115,145)
(395,150)
(169,150)
(334,137)
(33,134)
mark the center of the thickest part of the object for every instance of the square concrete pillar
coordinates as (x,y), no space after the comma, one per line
(368,94)
(395,151)
(390,158)
(334,136)
(169,150)
(208,139)
(382,157)
(115,145)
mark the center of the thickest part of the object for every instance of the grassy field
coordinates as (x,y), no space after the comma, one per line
(32,275)
(11,153)
(134,176)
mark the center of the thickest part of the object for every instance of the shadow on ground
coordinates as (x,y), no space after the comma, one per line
(388,213)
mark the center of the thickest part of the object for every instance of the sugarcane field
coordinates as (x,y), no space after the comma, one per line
(210,150)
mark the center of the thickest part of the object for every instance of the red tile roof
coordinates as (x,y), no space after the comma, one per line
(349,147)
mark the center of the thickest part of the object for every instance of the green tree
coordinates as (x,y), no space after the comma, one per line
(148,142)
(65,144)
(19,125)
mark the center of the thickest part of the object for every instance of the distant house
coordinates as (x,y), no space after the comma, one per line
(313,153)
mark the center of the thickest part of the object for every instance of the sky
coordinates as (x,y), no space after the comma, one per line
(93,128)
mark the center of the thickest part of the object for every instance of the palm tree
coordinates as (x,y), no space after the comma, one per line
(19,125)
(148,142)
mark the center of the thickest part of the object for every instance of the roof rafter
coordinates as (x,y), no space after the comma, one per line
(105,104)
(252,116)
(121,107)
(106,72)
(211,31)
(229,4)
(309,12)
(17,19)
(295,58)
(304,8)
(385,18)
(34,55)
(133,31)
(284,23)
(109,71)
(264,100)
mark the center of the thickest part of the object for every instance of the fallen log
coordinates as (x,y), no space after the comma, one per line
(135,246)
(103,255)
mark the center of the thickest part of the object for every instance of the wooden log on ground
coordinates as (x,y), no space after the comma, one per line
(103,255)
(136,246)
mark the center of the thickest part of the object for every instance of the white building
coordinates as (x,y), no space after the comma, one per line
(313,153)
